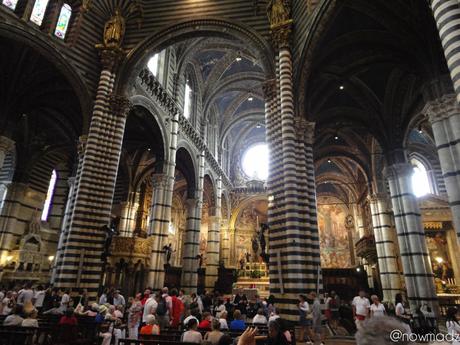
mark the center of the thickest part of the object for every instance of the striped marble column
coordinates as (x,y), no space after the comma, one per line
(386,249)
(447,17)
(158,232)
(73,187)
(293,247)
(128,218)
(81,265)
(213,246)
(191,247)
(6,145)
(161,208)
(418,276)
(444,115)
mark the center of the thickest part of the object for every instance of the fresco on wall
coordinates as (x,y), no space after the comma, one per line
(334,243)
(436,242)
(248,220)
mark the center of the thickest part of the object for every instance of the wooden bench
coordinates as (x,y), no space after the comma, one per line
(151,342)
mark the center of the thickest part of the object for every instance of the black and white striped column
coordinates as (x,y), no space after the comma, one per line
(213,246)
(294,242)
(447,17)
(158,232)
(191,246)
(81,264)
(386,248)
(160,212)
(73,187)
(128,218)
(444,115)
(418,276)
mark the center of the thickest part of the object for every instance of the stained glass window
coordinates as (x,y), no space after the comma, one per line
(187,101)
(63,21)
(49,196)
(38,11)
(10,3)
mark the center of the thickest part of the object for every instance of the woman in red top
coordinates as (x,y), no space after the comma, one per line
(68,318)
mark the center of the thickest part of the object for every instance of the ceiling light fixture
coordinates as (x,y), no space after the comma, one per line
(329,161)
(336,137)
(149,149)
(258,125)
(341,87)
(250,98)
(238,59)
(420,130)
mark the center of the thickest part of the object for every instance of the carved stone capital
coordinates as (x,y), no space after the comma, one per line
(120,105)
(6,144)
(159,180)
(442,108)
(282,34)
(110,58)
(398,170)
(377,197)
(269,88)
(305,131)
(192,204)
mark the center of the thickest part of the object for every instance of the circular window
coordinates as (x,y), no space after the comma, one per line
(255,162)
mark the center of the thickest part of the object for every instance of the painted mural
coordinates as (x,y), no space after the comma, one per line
(334,242)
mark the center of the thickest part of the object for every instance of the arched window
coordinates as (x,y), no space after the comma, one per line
(49,196)
(10,3)
(63,21)
(420,180)
(187,101)
(38,12)
(153,64)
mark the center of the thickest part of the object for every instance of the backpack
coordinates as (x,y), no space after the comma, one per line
(162,309)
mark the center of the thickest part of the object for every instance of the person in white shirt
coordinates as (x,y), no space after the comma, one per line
(361,307)
(25,295)
(7,303)
(150,307)
(453,325)
(65,301)
(39,297)
(305,320)
(260,317)
(223,321)
(219,309)
(377,308)
(118,299)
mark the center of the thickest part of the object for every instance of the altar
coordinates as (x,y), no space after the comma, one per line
(253,280)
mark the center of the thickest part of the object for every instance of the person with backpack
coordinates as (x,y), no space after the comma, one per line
(332,309)
(162,311)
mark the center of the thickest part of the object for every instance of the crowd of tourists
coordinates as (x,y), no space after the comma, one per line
(210,318)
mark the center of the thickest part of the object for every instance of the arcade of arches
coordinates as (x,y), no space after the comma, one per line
(205,145)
